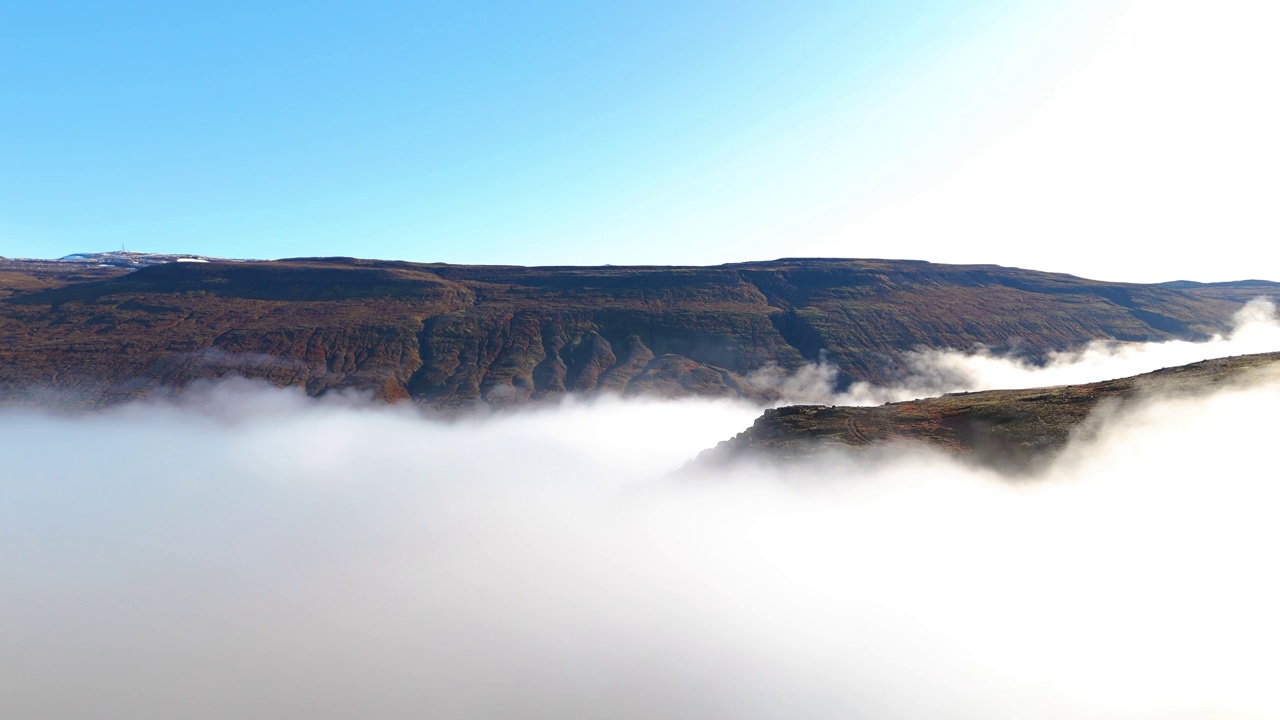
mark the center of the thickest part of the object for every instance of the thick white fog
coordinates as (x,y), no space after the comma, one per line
(248,552)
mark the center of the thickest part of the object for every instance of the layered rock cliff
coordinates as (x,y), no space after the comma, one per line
(450,336)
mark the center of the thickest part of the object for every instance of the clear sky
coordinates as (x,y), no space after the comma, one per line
(1122,141)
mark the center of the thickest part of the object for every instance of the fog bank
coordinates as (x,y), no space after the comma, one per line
(249,552)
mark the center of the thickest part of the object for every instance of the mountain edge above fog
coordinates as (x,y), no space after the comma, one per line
(1016,431)
(94,329)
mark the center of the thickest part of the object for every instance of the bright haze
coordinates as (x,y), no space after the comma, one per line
(1117,140)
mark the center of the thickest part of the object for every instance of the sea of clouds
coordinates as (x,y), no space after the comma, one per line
(245,551)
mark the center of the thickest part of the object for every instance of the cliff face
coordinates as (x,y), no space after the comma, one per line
(451,335)
(1013,430)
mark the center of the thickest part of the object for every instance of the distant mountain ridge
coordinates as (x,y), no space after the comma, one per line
(1238,290)
(460,335)
(120,258)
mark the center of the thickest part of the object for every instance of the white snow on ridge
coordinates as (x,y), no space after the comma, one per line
(129,259)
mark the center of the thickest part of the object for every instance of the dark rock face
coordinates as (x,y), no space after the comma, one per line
(451,336)
(1013,430)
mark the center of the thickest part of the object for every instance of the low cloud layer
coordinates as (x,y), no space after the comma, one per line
(252,553)
(934,372)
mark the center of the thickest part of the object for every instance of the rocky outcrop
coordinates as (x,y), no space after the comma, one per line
(1012,430)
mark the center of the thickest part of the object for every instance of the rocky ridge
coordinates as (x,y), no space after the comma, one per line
(1012,430)
(453,336)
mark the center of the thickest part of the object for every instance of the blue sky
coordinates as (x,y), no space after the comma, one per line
(529,133)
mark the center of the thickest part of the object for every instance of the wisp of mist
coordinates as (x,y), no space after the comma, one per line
(934,372)
(248,552)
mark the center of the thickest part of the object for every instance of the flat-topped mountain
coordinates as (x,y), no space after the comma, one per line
(1239,290)
(1009,429)
(454,335)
